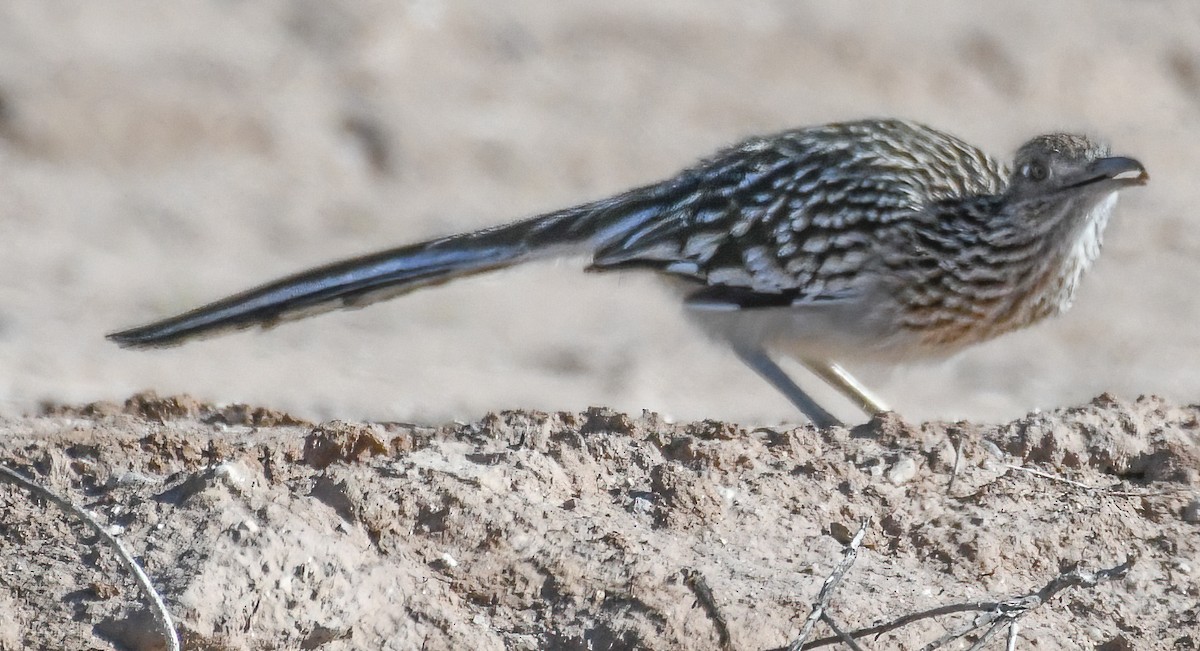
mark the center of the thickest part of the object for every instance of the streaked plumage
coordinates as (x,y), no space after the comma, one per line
(877,239)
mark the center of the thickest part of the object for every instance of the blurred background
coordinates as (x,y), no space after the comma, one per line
(154,156)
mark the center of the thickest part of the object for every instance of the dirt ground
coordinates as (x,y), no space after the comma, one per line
(154,156)
(528,530)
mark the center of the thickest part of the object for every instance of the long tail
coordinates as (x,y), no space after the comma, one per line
(360,281)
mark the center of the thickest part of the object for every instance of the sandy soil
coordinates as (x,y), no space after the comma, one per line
(529,530)
(155,156)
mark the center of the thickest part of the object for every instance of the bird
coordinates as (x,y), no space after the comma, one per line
(878,240)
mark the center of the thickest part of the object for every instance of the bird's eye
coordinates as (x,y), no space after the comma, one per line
(1035,171)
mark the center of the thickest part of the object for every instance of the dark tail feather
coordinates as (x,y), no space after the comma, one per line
(358,282)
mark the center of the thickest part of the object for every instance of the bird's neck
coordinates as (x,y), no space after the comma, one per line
(1074,256)
(1009,271)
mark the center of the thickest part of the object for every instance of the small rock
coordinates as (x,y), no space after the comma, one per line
(877,470)
(841,533)
(132,478)
(1118,643)
(232,473)
(103,590)
(902,471)
(1191,512)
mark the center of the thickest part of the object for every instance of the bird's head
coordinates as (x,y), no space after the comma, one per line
(1070,171)
(1060,194)
(1061,191)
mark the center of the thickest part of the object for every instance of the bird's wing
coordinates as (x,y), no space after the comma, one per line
(777,221)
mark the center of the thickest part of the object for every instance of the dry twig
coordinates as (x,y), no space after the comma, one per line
(158,607)
(844,636)
(704,596)
(996,614)
(1107,490)
(831,583)
(956,440)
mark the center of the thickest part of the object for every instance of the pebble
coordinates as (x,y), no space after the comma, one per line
(1191,512)
(902,471)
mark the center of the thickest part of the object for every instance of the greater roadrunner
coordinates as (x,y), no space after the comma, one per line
(881,240)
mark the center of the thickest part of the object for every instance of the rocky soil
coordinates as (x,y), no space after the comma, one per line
(594,530)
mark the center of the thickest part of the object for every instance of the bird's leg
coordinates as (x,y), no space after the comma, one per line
(840,379)
(757,359)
